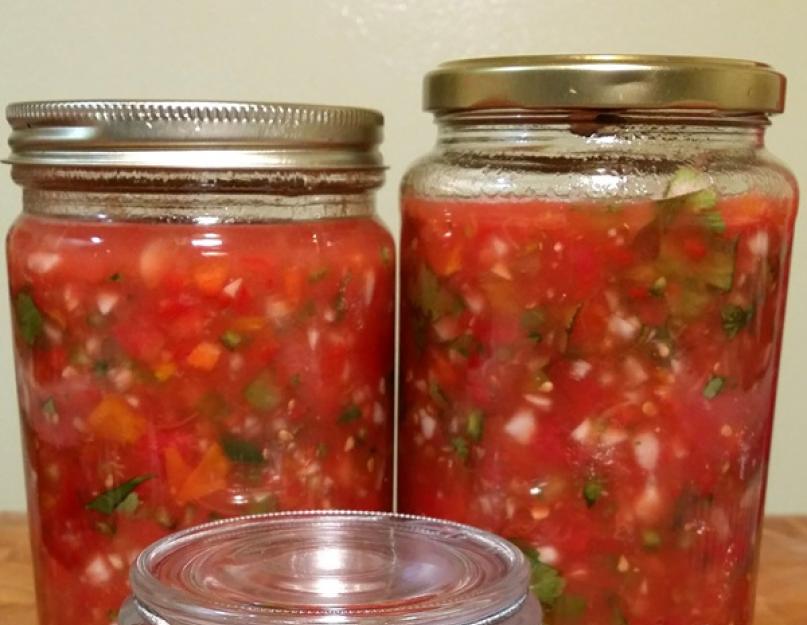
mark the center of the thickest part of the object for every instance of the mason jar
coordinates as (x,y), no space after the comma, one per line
(312,568)
(203,326)
(594,271)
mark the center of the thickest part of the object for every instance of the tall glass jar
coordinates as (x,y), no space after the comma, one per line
(320,568)
(203,323)
(594,271)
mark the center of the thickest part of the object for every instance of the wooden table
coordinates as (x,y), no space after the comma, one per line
(782,585)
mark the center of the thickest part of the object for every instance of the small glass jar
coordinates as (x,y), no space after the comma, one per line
(594,272)
(309,568)
(203,320)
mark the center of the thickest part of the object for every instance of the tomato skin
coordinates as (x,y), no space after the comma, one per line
(166,386)
(615,411)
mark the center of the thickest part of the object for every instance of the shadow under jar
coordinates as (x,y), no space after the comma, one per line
(203,323)
(594,270)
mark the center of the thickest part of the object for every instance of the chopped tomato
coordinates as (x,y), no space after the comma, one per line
(166,383)
(596,381)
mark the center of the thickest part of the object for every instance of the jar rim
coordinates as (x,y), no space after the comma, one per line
(317,567)
(179,134)
(605,81)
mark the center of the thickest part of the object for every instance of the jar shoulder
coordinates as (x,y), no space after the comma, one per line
(593,175)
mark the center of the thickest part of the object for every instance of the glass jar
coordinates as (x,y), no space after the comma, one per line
(203,322)
(309,568)
(594,271)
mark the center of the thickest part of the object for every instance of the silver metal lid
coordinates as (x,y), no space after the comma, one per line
(194,135)
(321,568)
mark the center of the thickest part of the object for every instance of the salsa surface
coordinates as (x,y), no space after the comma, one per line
(173,374)
(596,382)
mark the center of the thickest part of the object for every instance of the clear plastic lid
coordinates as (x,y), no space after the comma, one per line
(330,567)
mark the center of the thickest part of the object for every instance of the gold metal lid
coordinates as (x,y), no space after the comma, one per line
(605,81)
(194,135)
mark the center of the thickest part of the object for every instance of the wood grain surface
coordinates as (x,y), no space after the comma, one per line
(782,596)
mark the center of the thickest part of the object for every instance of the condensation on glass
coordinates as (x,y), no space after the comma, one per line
(308,568)
(594,271)
(203,303)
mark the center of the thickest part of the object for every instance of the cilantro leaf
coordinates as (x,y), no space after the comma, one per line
(240,450)
(349,414)
(29,320)
(110,500)
(546,582)
(460,446)
(734,319)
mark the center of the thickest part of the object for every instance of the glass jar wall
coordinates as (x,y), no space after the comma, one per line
(593,290)
(194,343)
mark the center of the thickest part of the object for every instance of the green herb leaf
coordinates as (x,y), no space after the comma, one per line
(432,298)
(49,407)
(569,608)
(100,367)
(531,321)
(240,450)
(116,277)
(130,504)
(231,339)
(592,491)
(713,387)
(734,319)
(29,319)
(476,425)
(460,446)
(465,345)
(317,274)
(262,394)
(651,539)
(349,414)
(546,582)
(438,395)
(264,505)
(108,501)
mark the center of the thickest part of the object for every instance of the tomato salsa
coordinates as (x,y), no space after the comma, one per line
(174,373)
(596,382)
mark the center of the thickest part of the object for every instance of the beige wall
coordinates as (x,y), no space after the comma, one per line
(373,53)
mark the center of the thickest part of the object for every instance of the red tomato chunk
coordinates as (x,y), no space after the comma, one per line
(173,374)
(597,382)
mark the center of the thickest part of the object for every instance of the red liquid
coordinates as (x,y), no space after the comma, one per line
(173,374)
(598,383)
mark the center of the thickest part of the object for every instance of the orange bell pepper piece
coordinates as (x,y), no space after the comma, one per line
(204,356)
(113,419)
(207,477)
(211,276)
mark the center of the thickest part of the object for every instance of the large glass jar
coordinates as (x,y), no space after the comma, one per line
(203,322)
(323,568)
(594,271)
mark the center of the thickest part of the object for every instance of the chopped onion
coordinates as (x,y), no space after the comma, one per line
(646,450)
(521,426)
(43,262)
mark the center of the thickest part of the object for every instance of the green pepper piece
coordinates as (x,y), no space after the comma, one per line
(262,394)
(546,582)
(651,539)
(460,446)
(592,491)
(476,425)
(714,387)
(231,339)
